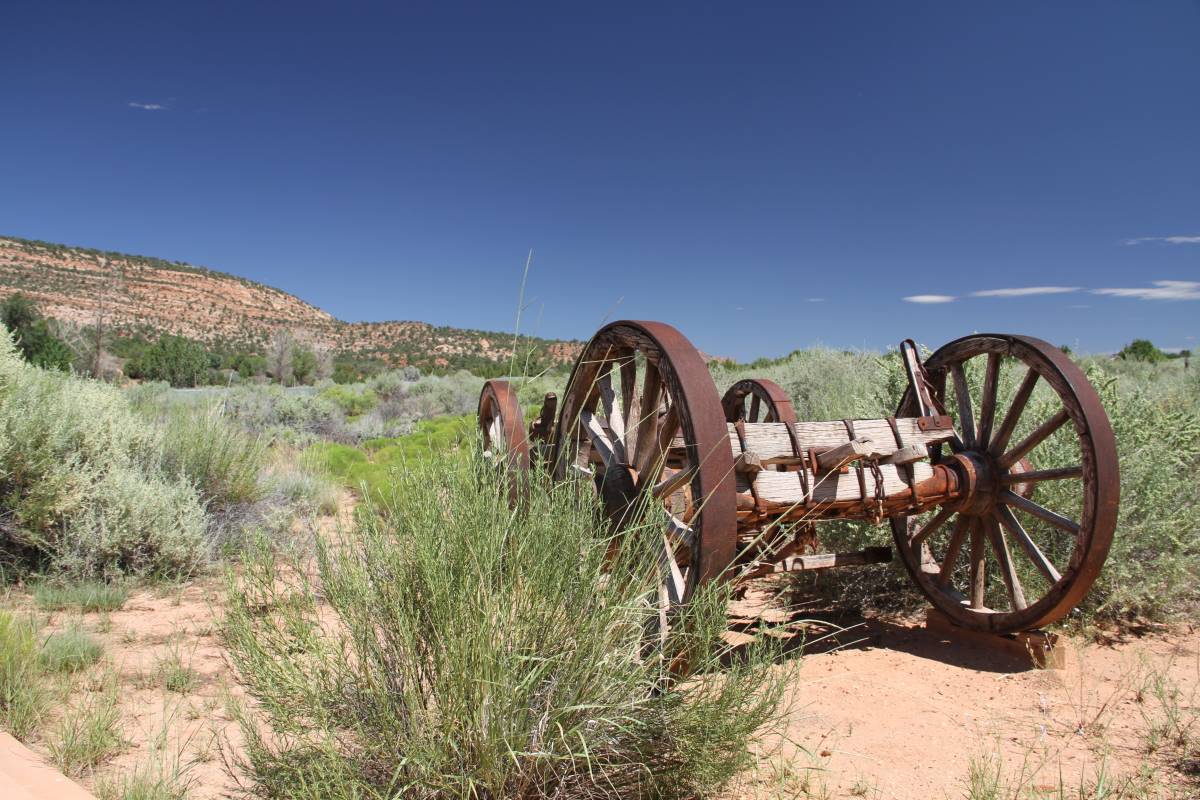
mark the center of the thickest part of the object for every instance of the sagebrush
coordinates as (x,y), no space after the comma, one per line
(448,646)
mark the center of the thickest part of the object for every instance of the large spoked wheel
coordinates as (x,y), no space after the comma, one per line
(503,427)
(1037,450)
(757,400)
(642,420)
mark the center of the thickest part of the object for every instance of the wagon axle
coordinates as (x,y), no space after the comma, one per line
(995,542)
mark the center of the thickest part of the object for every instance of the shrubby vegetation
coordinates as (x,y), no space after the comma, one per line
(448,646)
(34,337)
(174,359)
(97,482)
(82,484)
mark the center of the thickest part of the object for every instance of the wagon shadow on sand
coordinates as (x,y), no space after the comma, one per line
(819,627)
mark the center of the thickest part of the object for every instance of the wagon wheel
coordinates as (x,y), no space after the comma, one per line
(757,400)
(503,426)
(642,420)
(1029,426)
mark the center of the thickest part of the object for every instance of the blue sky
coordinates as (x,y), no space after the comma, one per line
(763,177)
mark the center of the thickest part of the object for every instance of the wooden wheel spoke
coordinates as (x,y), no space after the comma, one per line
(962,395)
(978,565)
(755,404)
(1009,520)
(631,407)
(671,574)
(931,527)
(647,427)
(1038,475)
(958,535)
(612,414)
(680,530)
(600,441)
(1039,435)
(1016,594)
(672,483)
(1020,399)
(1009,497)
(655,457)
(987,401)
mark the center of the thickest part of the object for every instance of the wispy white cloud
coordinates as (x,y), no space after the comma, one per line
(1025,291)
(1164,240)
(148,106)
(1158,290)
(930,298)
(816,299)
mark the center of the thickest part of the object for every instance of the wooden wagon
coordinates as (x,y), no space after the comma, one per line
(997,473)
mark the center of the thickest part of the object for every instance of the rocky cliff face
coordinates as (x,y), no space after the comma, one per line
(79,286)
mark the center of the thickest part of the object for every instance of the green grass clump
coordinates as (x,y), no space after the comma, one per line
(145,785)
(222,461)
(70,650)
(175,675)
(84,597)
(24,698)
(449,646)
(88,733)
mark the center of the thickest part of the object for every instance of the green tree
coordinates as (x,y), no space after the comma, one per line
(175,359)
(1142,350)
(35,340)
(304,364)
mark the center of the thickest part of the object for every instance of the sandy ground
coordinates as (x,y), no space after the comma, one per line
(884,709)
(891,710)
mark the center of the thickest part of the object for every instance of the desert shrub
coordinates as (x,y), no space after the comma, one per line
(303,489)
(467,650)
(222,461)
(81,484)
(24,697)
(295,417)
(1151,569)
(394,383)
(353,403)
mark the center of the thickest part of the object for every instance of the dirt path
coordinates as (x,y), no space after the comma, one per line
(902,713)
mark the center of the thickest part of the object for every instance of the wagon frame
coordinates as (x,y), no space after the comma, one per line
(741,482)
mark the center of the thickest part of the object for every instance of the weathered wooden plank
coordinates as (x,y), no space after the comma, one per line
(771,442)
(785,487)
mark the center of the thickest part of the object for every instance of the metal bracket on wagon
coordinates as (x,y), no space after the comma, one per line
(1001,509)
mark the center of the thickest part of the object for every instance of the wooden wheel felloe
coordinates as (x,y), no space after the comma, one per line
(1038,457)
(636,392)
(757,400)
(503,427)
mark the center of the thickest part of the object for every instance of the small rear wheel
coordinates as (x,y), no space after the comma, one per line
(757,400)
(502,425)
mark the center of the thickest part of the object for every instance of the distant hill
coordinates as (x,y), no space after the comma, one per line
(146,296)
